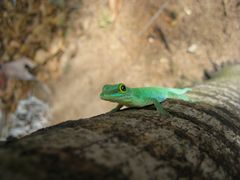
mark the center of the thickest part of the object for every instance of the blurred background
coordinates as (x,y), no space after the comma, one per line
(55,55)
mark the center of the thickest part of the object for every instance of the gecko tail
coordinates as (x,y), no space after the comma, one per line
(180,93)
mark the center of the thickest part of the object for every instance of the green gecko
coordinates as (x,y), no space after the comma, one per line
(140,97)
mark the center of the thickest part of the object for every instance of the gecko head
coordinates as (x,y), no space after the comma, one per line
(116,93)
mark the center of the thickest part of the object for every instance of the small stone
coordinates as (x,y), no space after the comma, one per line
(14,44)
(57,45)
(187,11)
(41,56)
(151,40)
(192,48)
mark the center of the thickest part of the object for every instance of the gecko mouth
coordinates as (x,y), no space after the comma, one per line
(114,98)
(105,97)
(108,97)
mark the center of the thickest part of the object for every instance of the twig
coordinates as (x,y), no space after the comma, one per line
(155,16)
(163,38)
(224,8)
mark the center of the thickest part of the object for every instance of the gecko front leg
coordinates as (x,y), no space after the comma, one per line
(117,108)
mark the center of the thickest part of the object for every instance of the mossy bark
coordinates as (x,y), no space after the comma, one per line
(201,140)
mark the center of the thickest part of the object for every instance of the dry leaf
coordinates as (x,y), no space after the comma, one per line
(19,69)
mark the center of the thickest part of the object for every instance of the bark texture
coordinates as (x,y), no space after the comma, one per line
(201,140)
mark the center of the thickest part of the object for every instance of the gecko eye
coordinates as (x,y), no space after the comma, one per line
(122,88)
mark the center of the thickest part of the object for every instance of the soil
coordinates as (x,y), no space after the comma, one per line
(186,38)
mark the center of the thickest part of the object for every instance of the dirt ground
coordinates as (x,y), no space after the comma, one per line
(186,38)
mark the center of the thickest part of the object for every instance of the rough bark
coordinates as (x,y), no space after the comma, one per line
(201,140)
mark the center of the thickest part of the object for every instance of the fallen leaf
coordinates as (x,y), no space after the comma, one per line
(19,69)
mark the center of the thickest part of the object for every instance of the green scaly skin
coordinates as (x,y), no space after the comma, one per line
(140,97)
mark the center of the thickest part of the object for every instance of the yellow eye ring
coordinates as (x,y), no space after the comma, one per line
(122,88)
